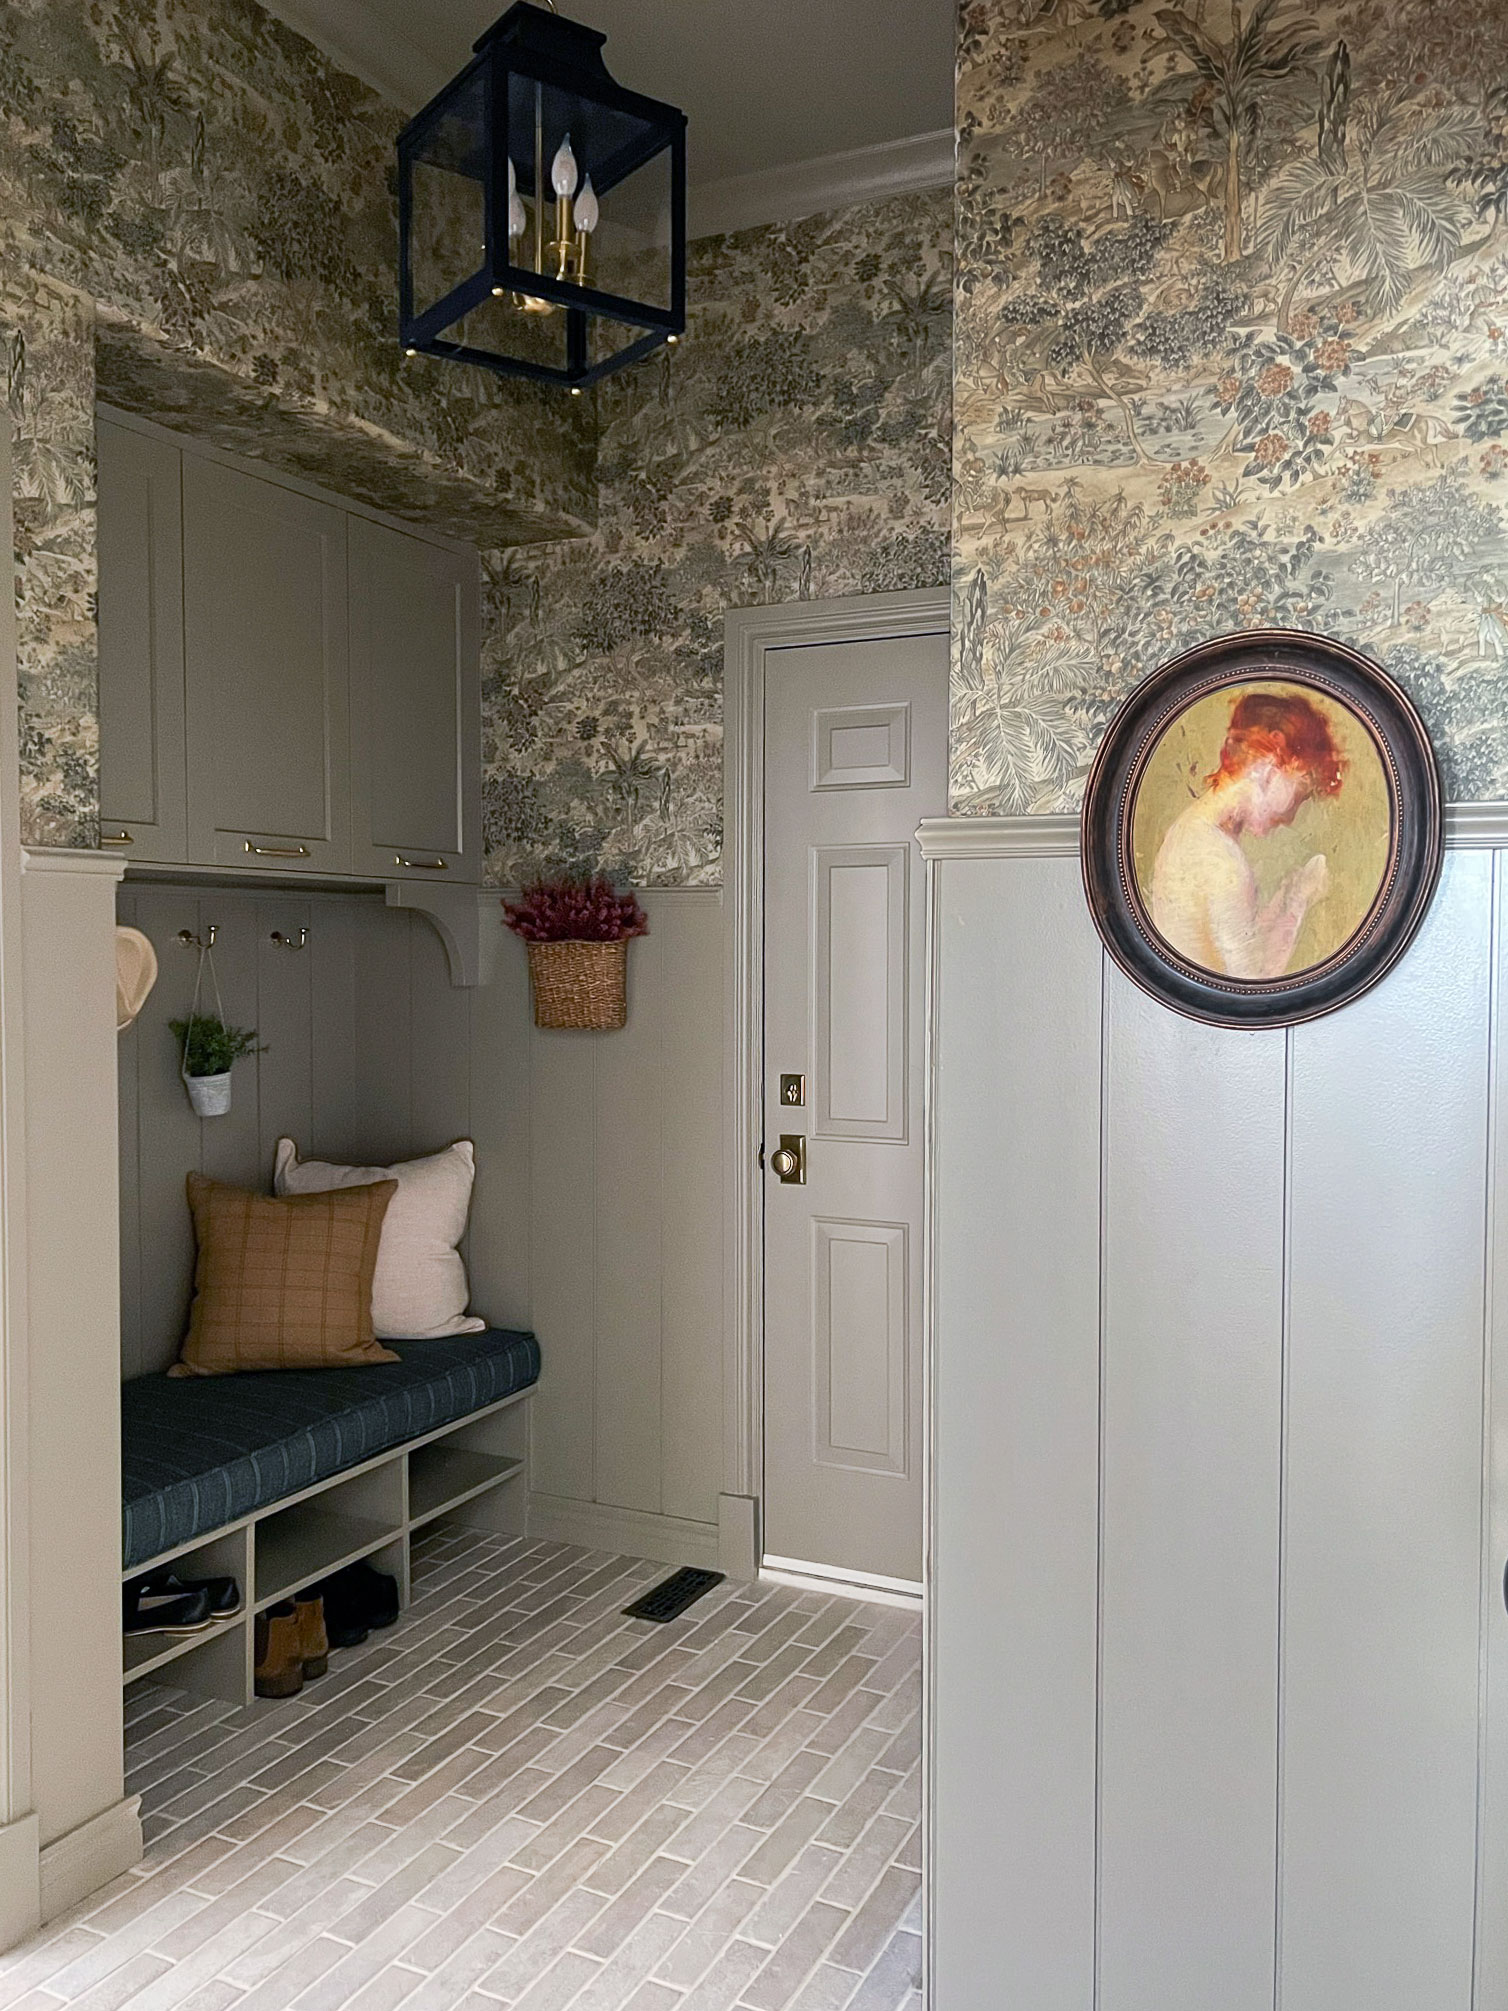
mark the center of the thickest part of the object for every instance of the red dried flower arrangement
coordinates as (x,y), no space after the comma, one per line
(575,911)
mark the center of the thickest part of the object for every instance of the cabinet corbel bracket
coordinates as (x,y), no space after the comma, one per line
(468,921)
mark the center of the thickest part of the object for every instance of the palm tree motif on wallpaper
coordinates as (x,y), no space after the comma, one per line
(1265,51)
(1389,200)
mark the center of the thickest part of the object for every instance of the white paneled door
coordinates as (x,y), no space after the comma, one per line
(855,757)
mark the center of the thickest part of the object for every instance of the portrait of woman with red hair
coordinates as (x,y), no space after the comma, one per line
(1207,900)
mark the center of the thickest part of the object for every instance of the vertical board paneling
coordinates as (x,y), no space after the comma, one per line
(169,1136)
(334,1119)
(688,928)
(1383,1484)
(1492,1828)
(128,1046)
(285,1026)
(1015,1422)
(383,1035)
(498,1245)
(628,1203)
(231,1148)
(562,1150)
(1191,1423)
(440,1044)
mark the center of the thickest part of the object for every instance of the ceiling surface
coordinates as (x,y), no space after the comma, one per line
(764,83)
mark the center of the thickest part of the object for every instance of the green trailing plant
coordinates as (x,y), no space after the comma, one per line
(208,1046)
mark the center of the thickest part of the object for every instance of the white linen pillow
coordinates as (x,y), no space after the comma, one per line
(420,1289)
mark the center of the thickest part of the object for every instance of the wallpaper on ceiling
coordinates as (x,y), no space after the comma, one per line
(794,446)
(48,338)
(199,187)
(214,181)
(1232,351)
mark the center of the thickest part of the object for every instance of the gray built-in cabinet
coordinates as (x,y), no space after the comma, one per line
(285,684)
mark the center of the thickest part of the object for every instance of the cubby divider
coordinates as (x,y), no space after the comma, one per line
(465,1472)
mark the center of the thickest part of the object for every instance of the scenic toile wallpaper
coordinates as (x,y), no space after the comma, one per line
(1231,352)
(197,218)
(795,445)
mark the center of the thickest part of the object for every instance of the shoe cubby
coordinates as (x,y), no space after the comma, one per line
(209,1660)
(472,1472)
(323,1532)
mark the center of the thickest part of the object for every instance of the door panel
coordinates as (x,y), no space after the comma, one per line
(861,1344)
(855,758)
(265,646)
(861,984)
(140,518)
(415,709)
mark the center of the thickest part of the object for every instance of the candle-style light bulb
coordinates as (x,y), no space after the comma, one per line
(588,211)
(563,171)
(518,217)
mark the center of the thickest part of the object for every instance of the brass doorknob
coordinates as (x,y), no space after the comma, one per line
(788,1160)
(784,1162)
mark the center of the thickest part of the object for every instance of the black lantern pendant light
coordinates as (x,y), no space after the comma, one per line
(541,210)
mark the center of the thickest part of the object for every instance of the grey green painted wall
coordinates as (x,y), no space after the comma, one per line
(196,219)
(795,445)
(1231,350)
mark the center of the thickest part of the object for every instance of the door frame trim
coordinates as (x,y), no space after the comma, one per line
(749,633)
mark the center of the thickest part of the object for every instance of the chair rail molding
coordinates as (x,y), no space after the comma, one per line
(1474,827)
(748,633)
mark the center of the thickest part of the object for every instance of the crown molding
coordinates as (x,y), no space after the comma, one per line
(834,181)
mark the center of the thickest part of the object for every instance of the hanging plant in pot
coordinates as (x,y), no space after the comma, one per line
(209,1048)
(578,932)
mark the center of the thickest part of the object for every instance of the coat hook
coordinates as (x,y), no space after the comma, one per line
(205,942)
(286,942)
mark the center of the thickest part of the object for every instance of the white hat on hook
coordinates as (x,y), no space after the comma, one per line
(135,975)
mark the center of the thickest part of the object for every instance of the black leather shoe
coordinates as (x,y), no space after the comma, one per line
(224,1593)
(377,1593)
(356,1600)
(150,1612)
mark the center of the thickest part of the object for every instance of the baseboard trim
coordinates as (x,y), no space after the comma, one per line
(90,1856)
(624,1532)
(20,1882)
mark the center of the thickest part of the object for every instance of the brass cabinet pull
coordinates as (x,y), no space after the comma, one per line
(277,851)
(423,865)
(116,838)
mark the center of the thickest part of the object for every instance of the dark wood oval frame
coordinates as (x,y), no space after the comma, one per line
(1416,838)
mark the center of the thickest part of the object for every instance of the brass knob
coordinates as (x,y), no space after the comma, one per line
(784,1162)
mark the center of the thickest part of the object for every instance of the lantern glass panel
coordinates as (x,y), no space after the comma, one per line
(448,225)
(630,249)
(617,151)
(505,327)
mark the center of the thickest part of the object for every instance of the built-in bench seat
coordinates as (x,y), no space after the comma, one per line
(282,1476)
(206,1451)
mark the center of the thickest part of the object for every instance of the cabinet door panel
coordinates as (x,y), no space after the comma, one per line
(142,784)
(415,709)
(265,647)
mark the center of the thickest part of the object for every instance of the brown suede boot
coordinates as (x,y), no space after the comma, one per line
(313,1642)
(280,1661)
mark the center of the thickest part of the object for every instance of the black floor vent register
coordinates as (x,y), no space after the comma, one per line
(680,1590)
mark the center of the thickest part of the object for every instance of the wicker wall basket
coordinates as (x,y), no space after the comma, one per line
(581,985)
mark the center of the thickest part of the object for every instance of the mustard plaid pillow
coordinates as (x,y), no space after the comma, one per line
(283,1284)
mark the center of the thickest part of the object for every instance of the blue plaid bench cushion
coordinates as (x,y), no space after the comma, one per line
(198,1454)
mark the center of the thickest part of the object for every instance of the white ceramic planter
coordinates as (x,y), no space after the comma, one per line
(209,1094)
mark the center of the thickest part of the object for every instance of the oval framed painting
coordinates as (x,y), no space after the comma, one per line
(1262,829)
